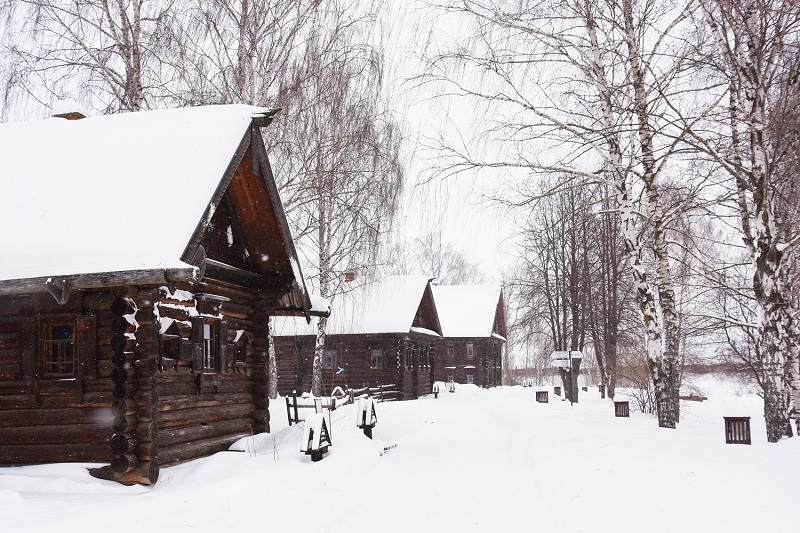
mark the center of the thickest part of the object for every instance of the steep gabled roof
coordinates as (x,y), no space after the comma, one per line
(136,192)
(470,310)
(395,304)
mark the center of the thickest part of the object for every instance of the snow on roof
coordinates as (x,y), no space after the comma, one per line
(384,306)
(111,193)
(466,310)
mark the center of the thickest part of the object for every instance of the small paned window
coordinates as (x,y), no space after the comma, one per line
(450,350)
(209,345)
(59,349)
(327,358)
(376,359)
(450,377)
(470,350)
(470,377)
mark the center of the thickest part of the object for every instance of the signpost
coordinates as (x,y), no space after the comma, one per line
(563,359)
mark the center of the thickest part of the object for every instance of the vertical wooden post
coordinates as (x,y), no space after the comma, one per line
(146,363)
(259,369)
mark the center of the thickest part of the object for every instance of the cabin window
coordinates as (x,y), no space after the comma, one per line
(376,359)
(470,350)
(327,358)
(470,377)
(58,348)
(209,345)
(210,342)
(450,377)
(449,349)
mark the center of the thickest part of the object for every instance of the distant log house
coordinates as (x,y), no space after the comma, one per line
(382,333)
(473,334)
(142,255)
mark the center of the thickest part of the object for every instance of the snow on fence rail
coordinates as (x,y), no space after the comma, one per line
(296,405)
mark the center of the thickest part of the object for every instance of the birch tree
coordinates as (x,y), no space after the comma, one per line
(591,89)
(110,54)
(342,158)
(754,49)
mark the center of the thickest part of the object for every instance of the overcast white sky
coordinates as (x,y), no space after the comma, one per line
(459,205)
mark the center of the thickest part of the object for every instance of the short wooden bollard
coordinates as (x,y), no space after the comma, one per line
(737,429)
(622,409)
(541,396)
(557,391)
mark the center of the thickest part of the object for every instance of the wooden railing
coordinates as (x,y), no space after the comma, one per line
(296,405)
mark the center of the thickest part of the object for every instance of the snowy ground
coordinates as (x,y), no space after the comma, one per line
(475,460)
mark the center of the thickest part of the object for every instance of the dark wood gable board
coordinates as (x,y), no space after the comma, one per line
(249,201)
(499,325)
(426,316)
(252,204)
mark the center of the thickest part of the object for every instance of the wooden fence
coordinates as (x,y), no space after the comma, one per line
(296,405)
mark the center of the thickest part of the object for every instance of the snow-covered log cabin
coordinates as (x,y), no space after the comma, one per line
(380,333)
(473,334)
(141,256)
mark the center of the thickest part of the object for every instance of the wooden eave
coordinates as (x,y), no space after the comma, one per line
(99,280)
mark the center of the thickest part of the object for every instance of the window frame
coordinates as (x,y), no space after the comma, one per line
(46,323)
(470,378)
(470,350)
(209,355)
(328,357)
(373,359)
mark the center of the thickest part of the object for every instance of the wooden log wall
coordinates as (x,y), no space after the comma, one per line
(353,353)
(55,420)
(487,366)
(200,413)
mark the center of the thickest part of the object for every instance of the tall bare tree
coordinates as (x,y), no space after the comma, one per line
(596,90)
(754,47)
(433,256)
(109,53)
(342,156)
(556,276)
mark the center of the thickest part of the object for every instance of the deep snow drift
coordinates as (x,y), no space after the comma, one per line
(474,460)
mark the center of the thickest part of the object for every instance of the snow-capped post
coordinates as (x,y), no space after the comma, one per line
(367,418)
(316,437)
(436,391)
(451,386)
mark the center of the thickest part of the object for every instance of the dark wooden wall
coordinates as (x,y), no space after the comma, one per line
(487,360)
(295,363)
(54,420)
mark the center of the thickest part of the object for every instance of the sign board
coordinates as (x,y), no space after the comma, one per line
(560,363)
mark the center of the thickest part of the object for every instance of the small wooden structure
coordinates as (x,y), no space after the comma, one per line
(737,429)
(557,390)
(135,331)
(621,408)
(541,396)
(316,437)
(473,341)
(366,416)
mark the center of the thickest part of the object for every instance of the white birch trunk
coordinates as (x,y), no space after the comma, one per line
(777,349)
(272,365)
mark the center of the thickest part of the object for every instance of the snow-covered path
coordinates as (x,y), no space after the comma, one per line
(475,460)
